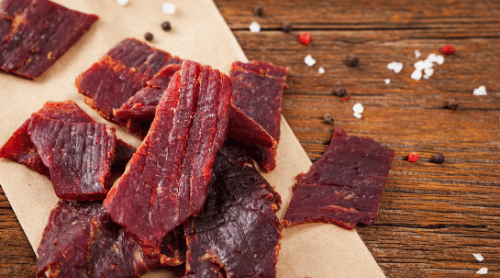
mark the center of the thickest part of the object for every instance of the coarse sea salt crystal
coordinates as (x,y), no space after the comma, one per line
(254,27)
(428,71)
(416,74)
(478,257)
(321,70)
(439,60)
(122,2)
(417,54)
(309,60)
(395,66)
(387,81)
(168,8)
(426,65)
(482,270)
(358,109)
(481,91)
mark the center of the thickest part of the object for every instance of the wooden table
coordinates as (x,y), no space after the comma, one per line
(432,217)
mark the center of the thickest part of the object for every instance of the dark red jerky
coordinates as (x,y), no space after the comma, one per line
(80,240)
(64,248)
(258,91)
(40,34)
(11,8)
(142,105)
(5,29)
(246,129)
(207,134)
(173,248)
(19,147)
(151,183)
(344,186)
(119,75)
(79,156)
(237,233)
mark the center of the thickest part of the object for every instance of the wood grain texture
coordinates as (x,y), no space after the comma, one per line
(432,217)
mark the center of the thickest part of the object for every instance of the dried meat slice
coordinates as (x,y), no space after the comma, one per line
(344,186)
(79,156)
(186,133)
(80,240)
(118,76)
(247,130)
(19,147)
(11,8)
(142,105)
(40,35)
(258,91)
(237,233)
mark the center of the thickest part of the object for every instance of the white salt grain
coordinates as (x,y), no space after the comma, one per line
(417,54)
(481,91)
(168,8)
(254,27)
(122,2)
(416,75)
(428,71)
(482,270)
(309,60)
(439,60)
(395,66)
(321,70)
(478,257)
(358,109)
(387,81)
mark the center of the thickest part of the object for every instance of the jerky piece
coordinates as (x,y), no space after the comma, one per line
(80,240)
(237,233)
(186,133)
(142,105)
(19,147)
(11,8)
(64,248)
(344,186)
(41,34)
(78,155)
(258,91)
(109,83)
(246,129)
(5,29)
(173,248)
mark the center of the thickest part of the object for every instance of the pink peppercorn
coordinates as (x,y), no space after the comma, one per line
(413,157)
(448,49)
(305,38)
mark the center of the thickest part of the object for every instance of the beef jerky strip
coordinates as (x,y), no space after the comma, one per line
(258,91)
(79,156)
(11,8)
(344,186)
(151,181)
(142,105)
(40,35)
(80,240)
(237,233)
(119,75)
(19,147)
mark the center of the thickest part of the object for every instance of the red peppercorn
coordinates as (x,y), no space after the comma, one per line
(413,157)
(448,49)
(304,38)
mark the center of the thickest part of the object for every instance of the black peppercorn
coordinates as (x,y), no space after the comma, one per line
(287,27)
(353,61)
(148,36)
(328,119)
(438,158)
(452,104)
(259,10)
(166,26)
(341,92)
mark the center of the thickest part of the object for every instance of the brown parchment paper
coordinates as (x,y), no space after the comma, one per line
(199,33)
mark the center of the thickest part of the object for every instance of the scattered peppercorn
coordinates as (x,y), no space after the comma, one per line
(341,92)
(259,10)
(328,119)
(452,104)
(304,38)
(413,157)
(166,26)
(148,36)
(448,49)
(287,27)
(438,158)
(353,61)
